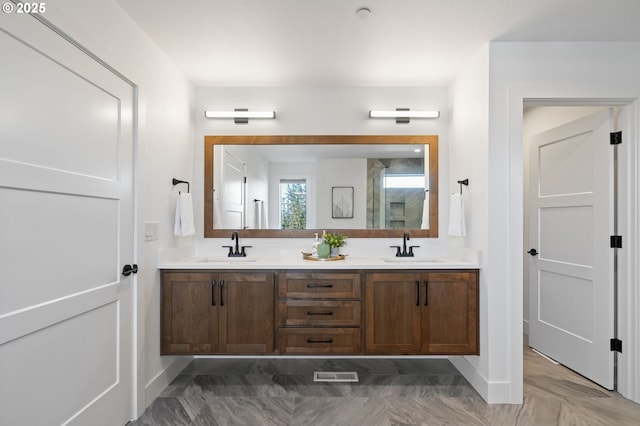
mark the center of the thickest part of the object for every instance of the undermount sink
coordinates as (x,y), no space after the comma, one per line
(228,260)
(409,260)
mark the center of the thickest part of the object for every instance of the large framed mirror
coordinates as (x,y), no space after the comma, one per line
(295,186)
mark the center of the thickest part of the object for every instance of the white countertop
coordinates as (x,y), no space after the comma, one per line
(293,262)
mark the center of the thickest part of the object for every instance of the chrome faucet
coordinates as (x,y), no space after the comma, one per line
(236,251)
(404,252)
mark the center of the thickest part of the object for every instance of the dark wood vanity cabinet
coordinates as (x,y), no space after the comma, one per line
(320,312)
(422,312)
(208,312)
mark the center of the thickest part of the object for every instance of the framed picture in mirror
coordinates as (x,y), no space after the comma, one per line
(342,202)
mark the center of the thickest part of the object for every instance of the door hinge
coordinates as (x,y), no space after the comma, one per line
(616,345)
(616,241)
(615,138)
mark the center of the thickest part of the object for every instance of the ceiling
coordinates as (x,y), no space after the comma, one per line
(324,43)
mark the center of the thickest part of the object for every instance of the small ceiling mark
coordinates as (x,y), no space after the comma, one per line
(363,12)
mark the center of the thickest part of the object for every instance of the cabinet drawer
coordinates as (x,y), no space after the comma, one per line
(319,313)
(319,286)
(319,340)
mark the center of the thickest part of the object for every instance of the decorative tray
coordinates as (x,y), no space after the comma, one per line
(309,256)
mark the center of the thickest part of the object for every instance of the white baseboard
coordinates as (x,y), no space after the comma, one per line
(492,392)
(159,383)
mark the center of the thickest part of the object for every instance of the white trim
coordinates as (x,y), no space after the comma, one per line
(628,268)
(159,383)
(492,392)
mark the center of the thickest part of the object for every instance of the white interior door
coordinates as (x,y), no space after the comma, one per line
(66,219)
(571,277)
(233,196)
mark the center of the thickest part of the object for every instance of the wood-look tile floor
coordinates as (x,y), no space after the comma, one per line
(391,392)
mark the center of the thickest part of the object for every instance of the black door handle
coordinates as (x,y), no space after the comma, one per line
(533,252)
(129,269)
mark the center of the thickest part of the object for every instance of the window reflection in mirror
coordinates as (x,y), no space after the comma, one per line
(290,186)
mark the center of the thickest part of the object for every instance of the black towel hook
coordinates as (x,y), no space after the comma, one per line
(464,182)
(177,181)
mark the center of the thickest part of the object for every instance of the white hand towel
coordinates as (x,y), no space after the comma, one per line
(258,214)
(425,213)
(184,223)
(457,227)
(217,214)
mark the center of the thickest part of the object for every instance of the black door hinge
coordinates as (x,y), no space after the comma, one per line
(615,138)
(616,345)
(616,241)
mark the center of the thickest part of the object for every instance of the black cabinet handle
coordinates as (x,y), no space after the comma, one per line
(319,340)
(533,252)
(221,299)
(319,285)
(213,292)
(426,293)
(417,293)
(319,313)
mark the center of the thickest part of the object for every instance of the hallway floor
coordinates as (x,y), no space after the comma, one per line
(391,392)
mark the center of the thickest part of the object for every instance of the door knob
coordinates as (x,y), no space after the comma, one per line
(129,269)
(533,252)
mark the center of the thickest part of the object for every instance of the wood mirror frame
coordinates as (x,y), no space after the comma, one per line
(211,141)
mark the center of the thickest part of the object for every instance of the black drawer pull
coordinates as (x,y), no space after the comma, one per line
(319,340)
(213,293)
(417,293)
(319,285)
(319,313)
(221,300)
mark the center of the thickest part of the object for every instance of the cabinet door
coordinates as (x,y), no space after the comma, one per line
(246,312)
(189,314)
(392,313)
(450,312)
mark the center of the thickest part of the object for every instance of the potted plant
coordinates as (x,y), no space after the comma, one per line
(334,240)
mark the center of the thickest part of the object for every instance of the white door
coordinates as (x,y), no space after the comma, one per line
(571,277)
(233,195)
(66,219)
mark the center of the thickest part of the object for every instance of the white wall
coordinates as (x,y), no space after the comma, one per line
(468,158)
(341,172)
(519,71)
(164,151)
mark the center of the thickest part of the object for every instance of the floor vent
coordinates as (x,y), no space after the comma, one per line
(335,376)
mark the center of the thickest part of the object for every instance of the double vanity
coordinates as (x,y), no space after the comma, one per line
(271,302)
(287,305)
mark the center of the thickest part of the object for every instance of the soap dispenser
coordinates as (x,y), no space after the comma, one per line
(314,246)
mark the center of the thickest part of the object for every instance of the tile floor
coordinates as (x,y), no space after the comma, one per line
(390,392)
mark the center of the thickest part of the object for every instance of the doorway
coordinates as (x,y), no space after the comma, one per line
(566,336)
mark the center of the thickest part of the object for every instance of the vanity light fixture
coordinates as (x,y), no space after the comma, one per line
(240,115)
(403,115)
